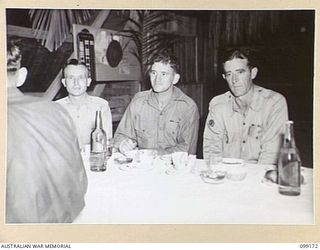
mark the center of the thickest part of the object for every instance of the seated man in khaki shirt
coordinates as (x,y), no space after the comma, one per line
(247,121)
(80,105)
(161,118)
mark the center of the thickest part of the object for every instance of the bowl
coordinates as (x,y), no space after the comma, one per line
(132,154)
(142,155)
(235,168)
(210,177)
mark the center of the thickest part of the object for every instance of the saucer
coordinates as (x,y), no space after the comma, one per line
(126,167)
(214,177)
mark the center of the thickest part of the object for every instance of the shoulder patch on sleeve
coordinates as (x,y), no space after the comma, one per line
(211,123)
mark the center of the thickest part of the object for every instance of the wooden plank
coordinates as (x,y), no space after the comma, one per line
(98,89)
(25,32)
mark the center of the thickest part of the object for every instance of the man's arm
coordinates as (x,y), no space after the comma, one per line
(213,134)
(107,120)
(188,134)
(271,139)
(125,128)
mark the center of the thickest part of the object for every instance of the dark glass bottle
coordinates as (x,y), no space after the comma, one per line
(98,146)
(289,164)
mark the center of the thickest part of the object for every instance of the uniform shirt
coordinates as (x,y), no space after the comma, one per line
(255,137)
(84,116)
(174,128)
(46,180)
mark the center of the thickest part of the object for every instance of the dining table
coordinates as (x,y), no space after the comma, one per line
(162,194)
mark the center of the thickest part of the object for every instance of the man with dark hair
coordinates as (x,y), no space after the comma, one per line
(247,121)
(161,118)
(46,180)
(81,106)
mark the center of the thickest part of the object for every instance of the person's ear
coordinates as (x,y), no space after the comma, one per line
(176,78)
(22,75)
(224,76)
(63,80)
(254,72)
(89,82)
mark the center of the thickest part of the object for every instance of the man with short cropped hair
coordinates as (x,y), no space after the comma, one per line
(80,105)
(162,118)
(247,121)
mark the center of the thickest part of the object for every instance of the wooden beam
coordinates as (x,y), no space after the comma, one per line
(55,86)
(13,30)
(100,19)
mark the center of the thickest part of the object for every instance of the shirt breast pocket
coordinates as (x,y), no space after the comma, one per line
(255,132)
(172,128)
(144,133)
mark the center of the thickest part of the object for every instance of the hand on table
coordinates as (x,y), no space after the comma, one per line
(127,145)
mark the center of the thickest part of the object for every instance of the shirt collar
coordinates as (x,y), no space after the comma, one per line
(85,100)
(177,95)
(256,103)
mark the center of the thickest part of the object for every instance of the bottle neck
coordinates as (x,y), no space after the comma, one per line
(98,120)
(289,141)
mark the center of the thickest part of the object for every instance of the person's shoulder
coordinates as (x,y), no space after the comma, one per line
(220,100)
(140,96)
(97,100)
(187,99)
(54,105)
(48,108)
(61,100)
(269,94)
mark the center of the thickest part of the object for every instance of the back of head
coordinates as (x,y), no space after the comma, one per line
(166,58)
(13,56)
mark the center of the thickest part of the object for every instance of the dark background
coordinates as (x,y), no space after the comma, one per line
(286,60)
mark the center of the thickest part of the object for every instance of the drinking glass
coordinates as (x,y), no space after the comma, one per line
(215,164)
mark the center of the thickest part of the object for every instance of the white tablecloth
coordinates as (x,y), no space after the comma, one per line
(154,197)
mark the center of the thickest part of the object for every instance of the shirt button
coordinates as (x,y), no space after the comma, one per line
(243,141)
(257,137)
(243,123)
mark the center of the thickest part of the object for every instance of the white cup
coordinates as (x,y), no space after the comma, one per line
(147,155)
(235,168)
(180,160)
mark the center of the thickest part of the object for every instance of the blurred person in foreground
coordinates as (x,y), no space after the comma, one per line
(46,180)
(162,118)
(246,122)
(80,105)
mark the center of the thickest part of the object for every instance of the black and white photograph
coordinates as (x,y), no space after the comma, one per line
(160,116)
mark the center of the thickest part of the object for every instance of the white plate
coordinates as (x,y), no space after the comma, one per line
(232,161)
(143,166)
(136,167)
(123,160)
(126,167)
